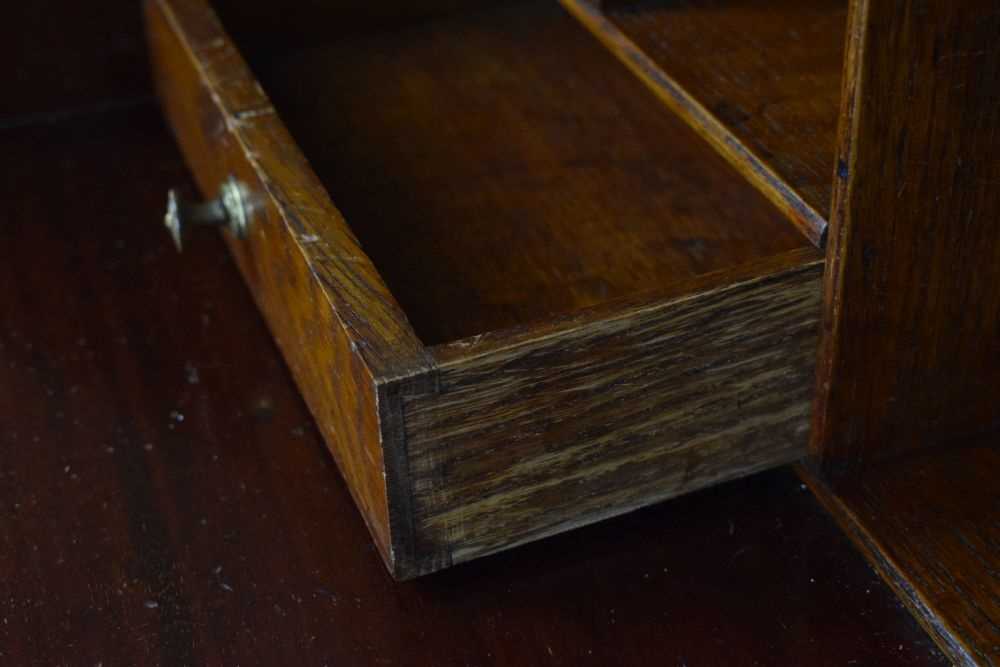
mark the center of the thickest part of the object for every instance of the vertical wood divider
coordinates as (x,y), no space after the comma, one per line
(910,348)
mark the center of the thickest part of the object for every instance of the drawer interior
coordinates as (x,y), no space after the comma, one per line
(501,167)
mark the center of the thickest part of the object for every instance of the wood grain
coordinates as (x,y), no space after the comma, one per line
(382,400)
(760,80)
(128,537)
(339,328)
(928,523)
(528,437)
(500,168)
(910,360)
(911,346)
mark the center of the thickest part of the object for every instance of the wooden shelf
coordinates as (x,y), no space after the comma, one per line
(760,79)
(930,524)
(501,167)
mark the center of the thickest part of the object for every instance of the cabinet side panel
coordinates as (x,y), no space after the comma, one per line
(542,435)
(911,345)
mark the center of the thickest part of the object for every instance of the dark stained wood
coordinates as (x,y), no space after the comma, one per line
(549,217)
(334,319)
(911,344)
(128,537)
(759,79)
(265,26)
(910,355)
(523,438)
(500,167)
(69,58)
(165,500)
(930,523)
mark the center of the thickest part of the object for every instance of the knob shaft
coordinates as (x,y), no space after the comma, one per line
(230,210)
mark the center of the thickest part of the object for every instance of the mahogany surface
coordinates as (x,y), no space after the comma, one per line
(166,499)
(65,58)
(501,167)
(265,25)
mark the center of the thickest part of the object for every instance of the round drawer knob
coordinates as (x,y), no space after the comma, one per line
(230,209)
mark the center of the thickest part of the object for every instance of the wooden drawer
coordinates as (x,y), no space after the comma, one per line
(551,301)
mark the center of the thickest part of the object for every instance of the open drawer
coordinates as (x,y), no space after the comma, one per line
(518,293)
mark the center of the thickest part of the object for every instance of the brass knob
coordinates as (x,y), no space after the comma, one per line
(231,209)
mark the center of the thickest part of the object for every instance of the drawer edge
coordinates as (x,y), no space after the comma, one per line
(339,329)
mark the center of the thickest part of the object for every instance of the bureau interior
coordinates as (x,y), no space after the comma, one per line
(500,167)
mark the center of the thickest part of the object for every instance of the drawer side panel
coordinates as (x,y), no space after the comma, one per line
(338,327)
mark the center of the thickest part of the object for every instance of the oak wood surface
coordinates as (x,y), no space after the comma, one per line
(499,167)
(549,230)
(171,458)
(523,438)
(332,316)
(909,360)
(911,347)
(929,524)
(212,98)
(165,498)
(760,80)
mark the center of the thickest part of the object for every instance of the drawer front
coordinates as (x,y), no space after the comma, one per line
(528,436)
(341,332)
